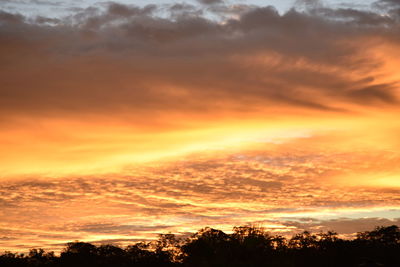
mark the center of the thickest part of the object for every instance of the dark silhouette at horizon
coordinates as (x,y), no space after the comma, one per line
(246,246)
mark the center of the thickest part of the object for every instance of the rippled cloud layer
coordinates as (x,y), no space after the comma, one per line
(285,189)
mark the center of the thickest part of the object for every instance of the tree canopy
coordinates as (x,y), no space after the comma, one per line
(245,246)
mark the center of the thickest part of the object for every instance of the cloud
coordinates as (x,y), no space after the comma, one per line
(113,228)
(112,83)
(8,18)
(387,3)
(285,189)
(97,61)
(210,2)
(344,226)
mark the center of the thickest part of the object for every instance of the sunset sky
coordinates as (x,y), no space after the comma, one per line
(123,120)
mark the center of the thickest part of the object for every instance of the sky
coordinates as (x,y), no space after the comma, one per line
(123,120)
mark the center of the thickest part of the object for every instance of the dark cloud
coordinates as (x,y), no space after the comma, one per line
(128,58)
(42,20)
(210,2)
(8,18)
(379,92)
(312,3)
(343,226)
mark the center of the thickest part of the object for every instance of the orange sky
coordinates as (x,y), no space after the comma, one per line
(119,123)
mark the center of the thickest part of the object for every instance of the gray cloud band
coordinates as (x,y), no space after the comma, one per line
(130,58)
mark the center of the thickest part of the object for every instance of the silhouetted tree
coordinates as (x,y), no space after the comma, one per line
(246,246)
(169,246)
(79,254)
(251,244)
(9,259)
(387,236)
(109,255)
(207,247)
(38,257)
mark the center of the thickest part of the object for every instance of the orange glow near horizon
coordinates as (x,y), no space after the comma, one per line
(296,163)
(60,147)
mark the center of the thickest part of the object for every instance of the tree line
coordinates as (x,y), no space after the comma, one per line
(245,246)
